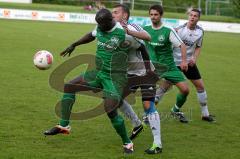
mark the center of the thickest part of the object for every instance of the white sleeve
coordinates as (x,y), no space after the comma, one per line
(175,39)
(94,32)
(133,42)
(200,40)
(135,27)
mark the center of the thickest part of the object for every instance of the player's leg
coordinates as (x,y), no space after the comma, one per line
(126,108)
(112,97)
(176,77)
(76,85)
(154,123)
(202,98)
(164,87)
(180,100)
(194,76)
(118,123)
(148,97)
(181,96)
(128,112)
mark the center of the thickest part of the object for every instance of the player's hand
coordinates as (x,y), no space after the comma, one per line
(192,61)
(67,51)
(184,66)
(124,25)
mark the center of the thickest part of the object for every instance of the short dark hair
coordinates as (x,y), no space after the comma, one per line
(103,16)
(125,9)
(196,10)
(158,8)
(104,19)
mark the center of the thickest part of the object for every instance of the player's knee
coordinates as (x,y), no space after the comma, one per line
(185,90)
(112,114)
(68,88)
(70,96)
(200,88)
(149,106)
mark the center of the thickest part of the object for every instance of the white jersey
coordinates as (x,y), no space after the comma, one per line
(136,64)
(191,38)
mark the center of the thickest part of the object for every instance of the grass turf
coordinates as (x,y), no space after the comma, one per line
(27,101)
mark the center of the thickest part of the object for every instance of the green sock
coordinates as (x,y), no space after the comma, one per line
(118,124)
(181,98)
(66,108)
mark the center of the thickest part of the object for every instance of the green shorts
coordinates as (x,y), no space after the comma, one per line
(112,86)
(174,76)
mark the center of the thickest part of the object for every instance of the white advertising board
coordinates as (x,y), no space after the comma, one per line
(17,1)
(90,18)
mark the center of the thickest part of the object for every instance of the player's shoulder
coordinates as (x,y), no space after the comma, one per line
(168,28)
(118,26)
(199,29)
(180,27)
(148,26)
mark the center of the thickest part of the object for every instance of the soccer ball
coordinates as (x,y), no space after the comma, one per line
(43,60)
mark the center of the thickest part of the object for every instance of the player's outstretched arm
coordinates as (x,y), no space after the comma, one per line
(139,34)
(84,40)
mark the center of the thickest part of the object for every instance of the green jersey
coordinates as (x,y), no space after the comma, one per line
(111,54)
(161,45)
(112,60)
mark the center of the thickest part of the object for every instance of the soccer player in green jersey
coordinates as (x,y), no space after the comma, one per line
(110,75)
(161,52)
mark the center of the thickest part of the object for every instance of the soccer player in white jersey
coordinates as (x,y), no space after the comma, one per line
(139,77)
(192,36)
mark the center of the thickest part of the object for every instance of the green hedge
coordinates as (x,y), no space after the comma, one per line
(177,6)
(236,8)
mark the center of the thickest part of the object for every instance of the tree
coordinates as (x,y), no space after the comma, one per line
(236,8)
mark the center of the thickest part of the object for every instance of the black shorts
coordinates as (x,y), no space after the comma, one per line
(192,73)
(147,84)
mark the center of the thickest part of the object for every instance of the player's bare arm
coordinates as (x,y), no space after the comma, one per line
(84,40)
(195,56)
(139,34)
(183,65)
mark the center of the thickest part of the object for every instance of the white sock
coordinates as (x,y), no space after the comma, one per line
(159,93)
(127,110)
(202,98)
(154,121)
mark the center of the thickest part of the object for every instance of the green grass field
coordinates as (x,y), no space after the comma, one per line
(27,102)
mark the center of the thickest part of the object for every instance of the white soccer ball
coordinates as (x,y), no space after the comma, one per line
(43,60)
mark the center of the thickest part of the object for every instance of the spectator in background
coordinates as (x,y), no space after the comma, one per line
(88,7)
(99,5)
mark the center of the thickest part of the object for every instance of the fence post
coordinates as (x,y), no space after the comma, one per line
(199,5)
(132,4)
(206,7)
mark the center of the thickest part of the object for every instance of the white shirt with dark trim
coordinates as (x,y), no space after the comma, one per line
(191,38)
(174,38)
(136,64)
